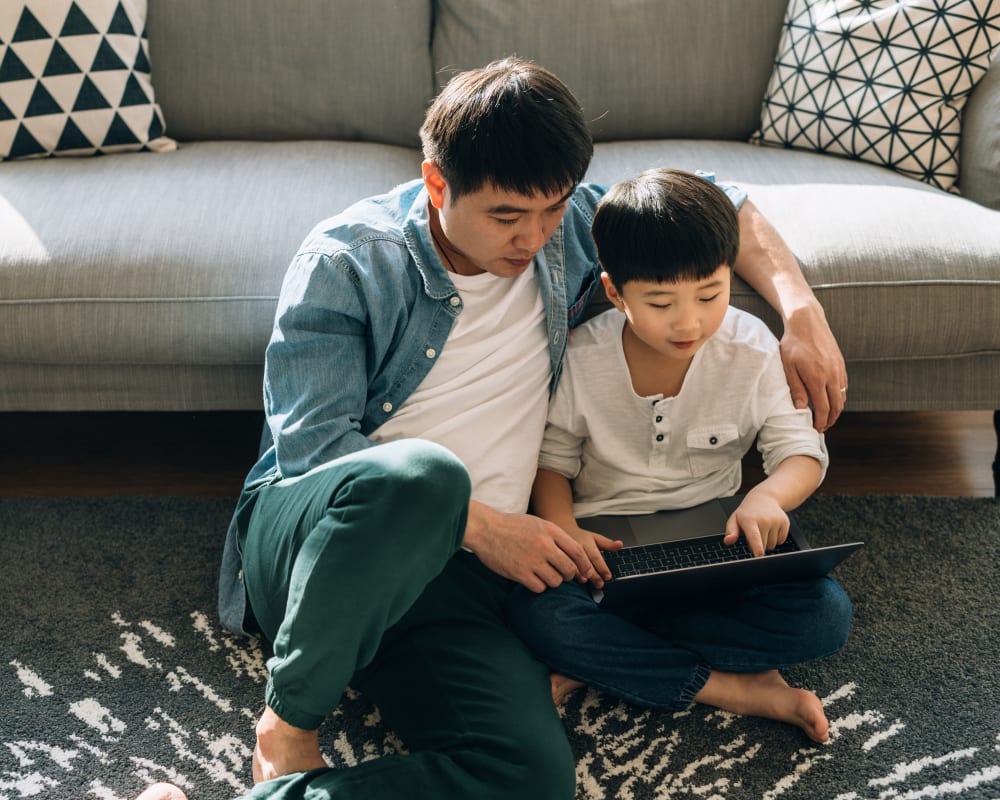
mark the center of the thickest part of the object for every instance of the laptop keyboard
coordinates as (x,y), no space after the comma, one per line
(666,556)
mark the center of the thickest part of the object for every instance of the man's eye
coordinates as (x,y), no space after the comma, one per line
(505,220)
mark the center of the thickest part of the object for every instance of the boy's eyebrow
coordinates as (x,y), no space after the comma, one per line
(711,285)
(509,209)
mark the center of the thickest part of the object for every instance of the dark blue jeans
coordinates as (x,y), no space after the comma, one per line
(661,656)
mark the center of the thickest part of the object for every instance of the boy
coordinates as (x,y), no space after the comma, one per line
(660,398)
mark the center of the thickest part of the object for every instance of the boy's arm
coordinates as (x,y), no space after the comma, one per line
(814,365)
(761,516)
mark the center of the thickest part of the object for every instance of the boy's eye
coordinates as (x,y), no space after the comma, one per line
(660,305)
(710,299)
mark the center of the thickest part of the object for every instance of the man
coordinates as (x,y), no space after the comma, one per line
(417,338)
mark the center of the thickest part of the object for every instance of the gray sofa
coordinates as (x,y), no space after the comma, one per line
(148,281)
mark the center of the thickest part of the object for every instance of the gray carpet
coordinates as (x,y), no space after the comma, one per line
(114,671)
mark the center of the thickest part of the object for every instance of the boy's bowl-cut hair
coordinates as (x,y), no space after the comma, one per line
(665,225)
(511,124)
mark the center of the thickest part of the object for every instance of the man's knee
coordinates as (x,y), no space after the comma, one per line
(416,472)
(533,767)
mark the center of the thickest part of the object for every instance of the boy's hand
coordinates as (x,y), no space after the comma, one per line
(592,544)
(763,522)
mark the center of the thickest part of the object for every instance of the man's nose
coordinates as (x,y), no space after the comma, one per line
(530,235)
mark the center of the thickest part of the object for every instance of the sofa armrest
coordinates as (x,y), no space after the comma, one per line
(979,157)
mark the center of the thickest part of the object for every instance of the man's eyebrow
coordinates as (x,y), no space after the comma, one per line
(509,209)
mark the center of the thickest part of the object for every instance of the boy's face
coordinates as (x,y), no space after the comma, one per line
(673,319)
(492,230)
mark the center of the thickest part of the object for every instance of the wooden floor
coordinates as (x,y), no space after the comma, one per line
(208,454)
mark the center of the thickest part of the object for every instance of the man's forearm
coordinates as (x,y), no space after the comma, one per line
(766,263)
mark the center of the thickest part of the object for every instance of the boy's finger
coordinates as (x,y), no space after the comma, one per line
(605,543)
(732,530)
(754,539)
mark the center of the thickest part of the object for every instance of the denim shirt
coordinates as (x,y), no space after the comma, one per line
(365,308)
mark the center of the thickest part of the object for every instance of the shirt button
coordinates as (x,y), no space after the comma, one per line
(713,440)
(431,352)
(659,437)
(387,407)
(659,418)
(455,300)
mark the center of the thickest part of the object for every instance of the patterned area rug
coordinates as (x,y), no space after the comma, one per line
(114,672)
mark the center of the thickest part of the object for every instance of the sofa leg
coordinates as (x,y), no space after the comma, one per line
(996,460)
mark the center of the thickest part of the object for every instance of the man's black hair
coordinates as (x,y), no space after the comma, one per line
(665,225)
(512,125)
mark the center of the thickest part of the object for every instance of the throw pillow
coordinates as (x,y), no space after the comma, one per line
(75,79)
(880,80)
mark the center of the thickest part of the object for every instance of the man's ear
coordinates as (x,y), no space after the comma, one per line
(435,183)
(611,291)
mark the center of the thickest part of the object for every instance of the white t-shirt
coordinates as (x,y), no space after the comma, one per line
(485,398)
(628,454)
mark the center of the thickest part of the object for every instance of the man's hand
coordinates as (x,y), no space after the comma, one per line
(532,551)
(814,366)
(763,522)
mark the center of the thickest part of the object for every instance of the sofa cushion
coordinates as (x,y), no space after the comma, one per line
(880,81)
(75,79)
(311,69)
(670,68)
(904,271)
(182,259)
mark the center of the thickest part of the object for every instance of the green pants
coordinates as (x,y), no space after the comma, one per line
(354,573)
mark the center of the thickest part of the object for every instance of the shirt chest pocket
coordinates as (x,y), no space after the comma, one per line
(713,448)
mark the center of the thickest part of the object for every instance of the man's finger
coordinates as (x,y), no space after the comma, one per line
(800,397)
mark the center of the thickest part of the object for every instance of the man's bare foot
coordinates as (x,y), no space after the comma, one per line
(563,687)
(765,694)
(162,791)
(282,749)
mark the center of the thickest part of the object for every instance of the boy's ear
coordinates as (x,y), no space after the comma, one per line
(611,291)
(435,183)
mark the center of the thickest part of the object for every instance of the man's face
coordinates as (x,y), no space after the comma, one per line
(492,230)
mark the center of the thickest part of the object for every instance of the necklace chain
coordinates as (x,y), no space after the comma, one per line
(444,252)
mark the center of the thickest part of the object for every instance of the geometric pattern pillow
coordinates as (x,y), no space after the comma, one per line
(882,81)
(75,79)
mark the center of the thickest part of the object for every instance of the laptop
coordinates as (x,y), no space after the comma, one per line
(680,553)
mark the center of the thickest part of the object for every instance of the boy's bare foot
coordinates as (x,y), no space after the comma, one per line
(282,749)
(563,687)
(765,694)
(162,791)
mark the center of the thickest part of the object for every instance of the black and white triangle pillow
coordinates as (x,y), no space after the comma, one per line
(880,80)
(75,79)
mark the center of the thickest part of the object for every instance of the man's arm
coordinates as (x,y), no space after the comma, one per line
(814,365)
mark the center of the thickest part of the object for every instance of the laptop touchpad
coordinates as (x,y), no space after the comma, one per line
(708,519)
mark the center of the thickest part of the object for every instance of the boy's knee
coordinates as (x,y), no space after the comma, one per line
(549,619)
(835,613)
